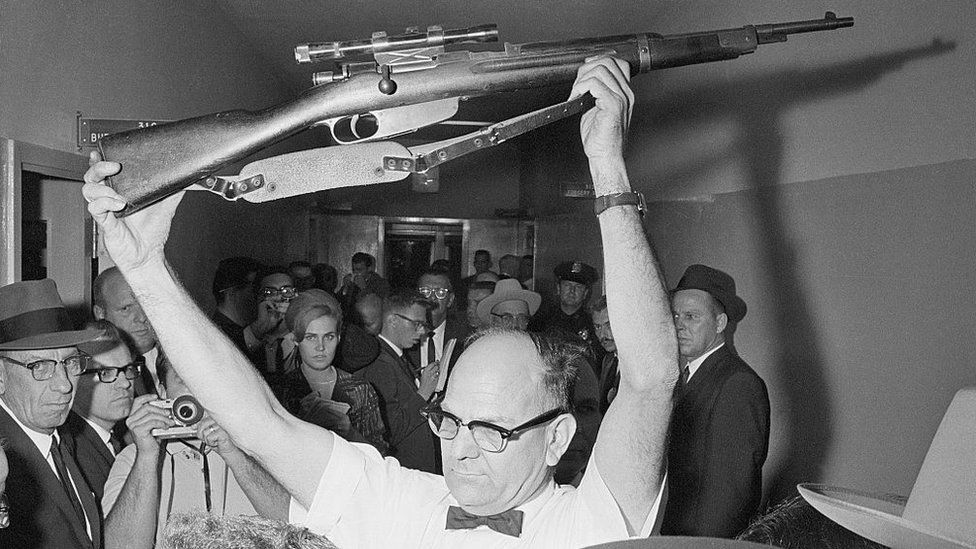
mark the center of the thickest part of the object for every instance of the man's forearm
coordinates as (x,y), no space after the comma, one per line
(268,496)
(131,524)
(225,382)
(631,446)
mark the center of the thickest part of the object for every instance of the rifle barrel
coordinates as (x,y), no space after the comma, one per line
(777,32)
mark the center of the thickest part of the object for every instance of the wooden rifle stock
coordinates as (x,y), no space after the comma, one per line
(160,160)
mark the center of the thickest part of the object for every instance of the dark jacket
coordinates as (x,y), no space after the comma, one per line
(410,439)
(719,440)
(456,329)
(41,515)
(93,457)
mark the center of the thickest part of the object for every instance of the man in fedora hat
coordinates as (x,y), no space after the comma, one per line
(50,504)
(720,426)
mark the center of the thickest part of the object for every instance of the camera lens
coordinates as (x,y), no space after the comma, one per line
(186,410)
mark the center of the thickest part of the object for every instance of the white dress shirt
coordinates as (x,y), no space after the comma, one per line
(43,443)
(695,364)
(366,501)
(104,435)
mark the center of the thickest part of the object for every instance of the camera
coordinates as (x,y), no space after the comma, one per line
(185,410)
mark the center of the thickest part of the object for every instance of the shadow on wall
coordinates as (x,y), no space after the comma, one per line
(756,107)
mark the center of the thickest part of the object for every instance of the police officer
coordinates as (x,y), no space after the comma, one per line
(569,314)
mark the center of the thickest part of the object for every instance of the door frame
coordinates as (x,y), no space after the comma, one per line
(17,157)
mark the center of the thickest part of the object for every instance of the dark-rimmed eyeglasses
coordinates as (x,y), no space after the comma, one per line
(488,436)
(108,374)
(43,370)
(286,292)
(428,292)
(418,325)
(513,320)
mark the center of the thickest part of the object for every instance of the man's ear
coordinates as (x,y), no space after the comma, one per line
(450,300)
(560,432)
(99,312)
(722,320)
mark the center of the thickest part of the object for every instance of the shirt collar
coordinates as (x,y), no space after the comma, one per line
(695,364)
(42,441)
(398,350)
(102,433)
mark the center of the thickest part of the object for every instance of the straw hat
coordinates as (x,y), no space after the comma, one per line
(941,510)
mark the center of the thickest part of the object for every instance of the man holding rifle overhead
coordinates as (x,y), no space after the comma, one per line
(504,419)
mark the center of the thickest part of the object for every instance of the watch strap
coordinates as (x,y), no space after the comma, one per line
(633,198)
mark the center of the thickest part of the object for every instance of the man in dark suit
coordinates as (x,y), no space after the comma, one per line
(403,388)
(720,425)
(51,505)
(436,287)
(103,398)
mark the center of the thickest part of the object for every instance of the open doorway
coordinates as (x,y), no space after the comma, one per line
(47,232)
(411,245)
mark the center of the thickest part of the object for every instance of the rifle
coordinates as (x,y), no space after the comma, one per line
(412,82)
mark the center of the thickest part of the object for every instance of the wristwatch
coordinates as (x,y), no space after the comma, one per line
(634,198)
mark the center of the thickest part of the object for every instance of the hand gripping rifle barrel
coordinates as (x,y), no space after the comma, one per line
(160,160)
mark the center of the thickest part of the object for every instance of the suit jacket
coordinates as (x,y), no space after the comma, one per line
(455,329)
(411,440)
(719,440)
(41,515)
(93,457)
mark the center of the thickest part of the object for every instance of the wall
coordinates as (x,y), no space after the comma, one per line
(172,60)
(860,307)
(117,59)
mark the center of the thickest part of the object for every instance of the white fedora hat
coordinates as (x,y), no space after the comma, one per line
(941,510)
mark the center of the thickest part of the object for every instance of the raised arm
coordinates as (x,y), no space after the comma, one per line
(632,444)
(213,368)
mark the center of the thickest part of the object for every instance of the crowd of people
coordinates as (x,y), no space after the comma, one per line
(450,413)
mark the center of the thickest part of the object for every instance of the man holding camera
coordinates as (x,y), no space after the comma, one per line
(168,471)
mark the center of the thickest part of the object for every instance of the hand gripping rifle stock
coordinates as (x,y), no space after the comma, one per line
(160,160)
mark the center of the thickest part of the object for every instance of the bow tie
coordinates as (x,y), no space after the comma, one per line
(509,522)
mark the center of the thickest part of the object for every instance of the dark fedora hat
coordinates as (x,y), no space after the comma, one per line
(717,283)
(32,316)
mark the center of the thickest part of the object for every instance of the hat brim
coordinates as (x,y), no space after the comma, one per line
(875,517)
(678,542)
(53,340)
(533,299)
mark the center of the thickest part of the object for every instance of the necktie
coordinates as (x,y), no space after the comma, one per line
(149,386)
(115,442)
(683,380)
(69,490)
(508,523)
(431,350)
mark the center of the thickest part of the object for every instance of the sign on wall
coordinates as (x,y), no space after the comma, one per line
(90,130)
